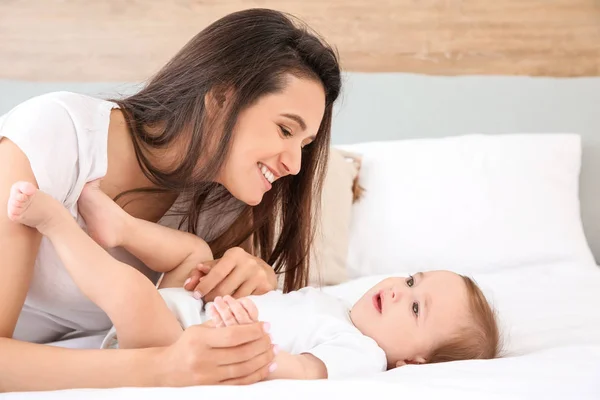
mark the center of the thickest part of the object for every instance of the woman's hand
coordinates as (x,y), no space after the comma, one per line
(237,274)
(233,355)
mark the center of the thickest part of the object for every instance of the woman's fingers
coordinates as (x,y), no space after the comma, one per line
(207,356)
(247,288)
(230,284)
(256,376)
(249,367)
(192,280)
(237,335)
(217,274)
(243,352)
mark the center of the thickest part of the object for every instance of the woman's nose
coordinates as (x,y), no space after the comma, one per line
(291,161)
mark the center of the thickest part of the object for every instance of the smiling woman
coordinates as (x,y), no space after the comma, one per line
(240,115)
(270,137)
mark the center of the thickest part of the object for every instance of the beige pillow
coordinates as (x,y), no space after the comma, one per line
(330,247)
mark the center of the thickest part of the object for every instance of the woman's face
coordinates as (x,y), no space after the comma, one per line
(269,136)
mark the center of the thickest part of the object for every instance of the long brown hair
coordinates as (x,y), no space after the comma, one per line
(250,52)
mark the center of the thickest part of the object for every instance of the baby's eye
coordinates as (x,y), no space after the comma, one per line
(415,308)
(410,281)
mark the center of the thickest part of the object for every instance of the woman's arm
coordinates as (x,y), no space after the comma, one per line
(18,243)
(32,367)
(202,356)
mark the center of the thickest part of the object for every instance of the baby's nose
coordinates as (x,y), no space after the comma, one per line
(396,295)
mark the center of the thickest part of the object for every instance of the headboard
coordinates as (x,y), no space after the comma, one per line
(120,40)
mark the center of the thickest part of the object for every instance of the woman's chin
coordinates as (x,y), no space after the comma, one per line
(251,199)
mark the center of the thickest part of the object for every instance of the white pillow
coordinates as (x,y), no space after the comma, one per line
(470,203)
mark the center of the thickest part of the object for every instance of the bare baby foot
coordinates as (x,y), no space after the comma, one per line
(105,220)
(32,207)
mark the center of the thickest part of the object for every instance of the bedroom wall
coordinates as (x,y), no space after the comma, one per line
(125,40)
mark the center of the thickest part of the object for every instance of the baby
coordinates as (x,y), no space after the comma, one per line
(433,316)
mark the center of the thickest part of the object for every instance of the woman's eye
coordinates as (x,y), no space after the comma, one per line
(415,308)
(410,281)
(286,132)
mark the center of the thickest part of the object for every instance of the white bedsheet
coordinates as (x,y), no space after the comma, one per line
(562,373)
(551,318)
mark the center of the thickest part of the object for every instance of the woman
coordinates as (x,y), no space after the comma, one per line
(239,119)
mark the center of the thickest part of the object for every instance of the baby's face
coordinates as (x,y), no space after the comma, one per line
(410,317)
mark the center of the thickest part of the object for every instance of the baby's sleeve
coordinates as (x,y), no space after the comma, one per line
(348,353)
(44,131)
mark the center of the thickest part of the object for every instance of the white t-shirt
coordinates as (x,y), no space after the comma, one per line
(303,321)
(64,135)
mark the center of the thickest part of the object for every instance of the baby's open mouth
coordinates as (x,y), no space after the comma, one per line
(377,302)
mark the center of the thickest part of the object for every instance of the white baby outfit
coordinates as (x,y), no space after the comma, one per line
(303,321)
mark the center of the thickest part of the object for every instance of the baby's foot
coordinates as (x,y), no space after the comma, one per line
(105,220)
(34,208)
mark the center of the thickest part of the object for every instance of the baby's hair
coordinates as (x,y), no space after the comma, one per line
(479,338)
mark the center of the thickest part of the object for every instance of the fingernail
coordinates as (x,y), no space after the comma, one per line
(188,280)
(267,327)
(272,367)
(271,337)
(276,349)
(197,295)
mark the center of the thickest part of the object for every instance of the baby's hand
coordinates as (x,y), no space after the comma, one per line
(227,311)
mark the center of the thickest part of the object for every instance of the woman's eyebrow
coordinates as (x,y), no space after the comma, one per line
(296,118)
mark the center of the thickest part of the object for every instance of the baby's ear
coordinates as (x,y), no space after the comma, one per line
(417,360)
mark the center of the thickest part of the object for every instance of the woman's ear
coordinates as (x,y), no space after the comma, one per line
(217,98)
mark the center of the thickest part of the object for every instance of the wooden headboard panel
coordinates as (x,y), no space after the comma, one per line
(127,40)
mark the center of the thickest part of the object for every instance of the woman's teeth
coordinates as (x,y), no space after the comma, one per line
(267,173)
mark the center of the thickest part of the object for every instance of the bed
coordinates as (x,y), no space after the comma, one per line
(495,177)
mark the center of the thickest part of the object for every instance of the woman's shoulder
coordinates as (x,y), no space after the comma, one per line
(61,110)
(64,136)
(73,103)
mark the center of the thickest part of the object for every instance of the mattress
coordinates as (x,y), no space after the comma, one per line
(550,321)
